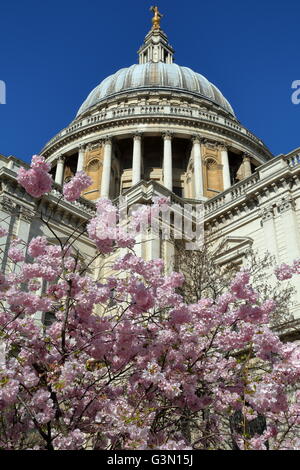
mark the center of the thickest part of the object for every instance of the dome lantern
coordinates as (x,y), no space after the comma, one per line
(156,47)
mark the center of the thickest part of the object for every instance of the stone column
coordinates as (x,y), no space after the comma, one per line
(289,224)
(167,165)
(247,165)
(198,173)
(105,182)
(225,163)
(24,224)
(290,229)
(26,216)
(152,245)
(59,175)
(268,223)
(136,158)
(80,162)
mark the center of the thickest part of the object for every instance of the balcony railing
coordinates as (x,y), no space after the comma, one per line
(239,189)
(145,110)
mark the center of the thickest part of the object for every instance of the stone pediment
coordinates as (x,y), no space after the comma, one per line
(232,248)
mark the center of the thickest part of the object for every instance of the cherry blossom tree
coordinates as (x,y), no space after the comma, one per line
(207,275)
(126,363)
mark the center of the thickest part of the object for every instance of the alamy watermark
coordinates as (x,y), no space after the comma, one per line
(2,92)
(295,97)
(167,222)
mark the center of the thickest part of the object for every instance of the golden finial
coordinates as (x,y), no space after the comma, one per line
(156,18)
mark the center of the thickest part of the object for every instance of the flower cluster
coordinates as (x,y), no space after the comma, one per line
(78,183)
(104,377)
(37,181)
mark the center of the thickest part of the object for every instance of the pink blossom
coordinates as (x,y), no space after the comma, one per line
(43,406)
(27,302)
(39,163)
(104,231)
(180,315)
(16,254)
(58,290)
(36,181)
(153,373)
(296,266)
(78,183)
(268,397)
(8,391)
(175,280)
(74,441)
(142,298)
(29,377)
(266,342)
(241,288)
(175,445)
(37,246)
(283,272)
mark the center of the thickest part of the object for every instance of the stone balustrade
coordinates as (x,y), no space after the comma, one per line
(159,110)
(82,204)
(293,161)
(238,190)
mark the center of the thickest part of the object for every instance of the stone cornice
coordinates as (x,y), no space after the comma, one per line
(223,129)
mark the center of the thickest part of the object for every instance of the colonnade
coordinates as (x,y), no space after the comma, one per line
(167,163)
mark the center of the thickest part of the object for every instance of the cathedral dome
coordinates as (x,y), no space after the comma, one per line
(156,121)
(156,75)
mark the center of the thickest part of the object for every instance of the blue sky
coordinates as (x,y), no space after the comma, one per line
(53,53)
